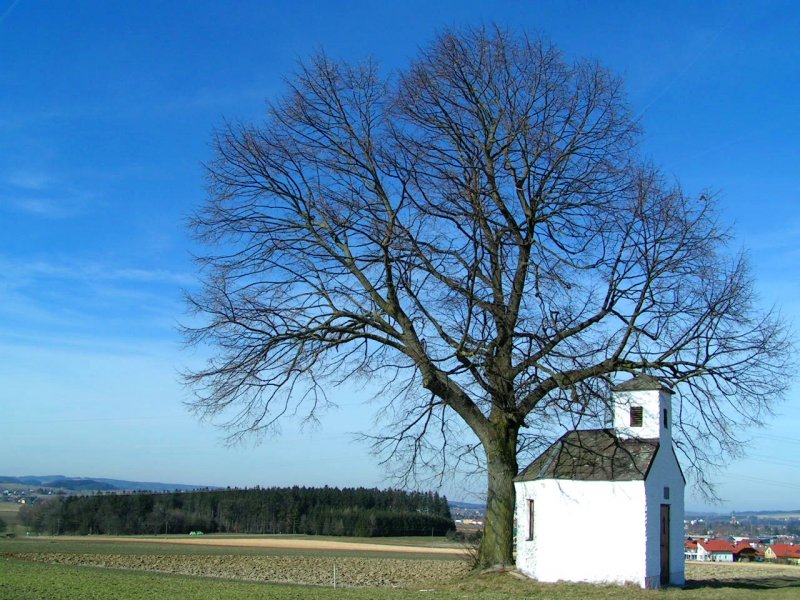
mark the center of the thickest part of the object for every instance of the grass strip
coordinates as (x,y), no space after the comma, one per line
(21,580)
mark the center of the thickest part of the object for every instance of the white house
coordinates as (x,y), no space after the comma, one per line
(715,551)
(620,487)
(690,550)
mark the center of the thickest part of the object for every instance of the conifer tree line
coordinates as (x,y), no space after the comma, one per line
(313,511)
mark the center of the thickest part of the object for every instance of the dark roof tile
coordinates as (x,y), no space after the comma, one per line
(641,383)
(593,455)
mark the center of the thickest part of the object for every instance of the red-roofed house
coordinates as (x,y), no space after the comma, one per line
(715,551)
(744,550)
(783,552)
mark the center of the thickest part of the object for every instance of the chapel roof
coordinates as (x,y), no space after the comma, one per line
(593,455)
(641,383)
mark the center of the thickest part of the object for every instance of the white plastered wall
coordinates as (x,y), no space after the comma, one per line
(665,472)
(575,518)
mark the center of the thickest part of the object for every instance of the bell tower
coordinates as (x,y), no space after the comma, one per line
(642,409)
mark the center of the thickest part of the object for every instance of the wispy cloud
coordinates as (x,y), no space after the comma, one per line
(159,103)
(784,238)
(206,98)
(47,300)
(4,14)
(42,195)
(30,180)
(21,270)
(82,346)
(48,208)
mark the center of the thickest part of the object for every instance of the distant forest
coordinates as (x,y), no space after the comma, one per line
(314,511)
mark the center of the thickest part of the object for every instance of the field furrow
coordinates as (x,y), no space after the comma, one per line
(349,571)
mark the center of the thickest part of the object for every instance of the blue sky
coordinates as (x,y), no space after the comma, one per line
(106,113)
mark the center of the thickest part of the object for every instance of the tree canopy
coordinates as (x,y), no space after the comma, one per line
(312,511)
(480,233)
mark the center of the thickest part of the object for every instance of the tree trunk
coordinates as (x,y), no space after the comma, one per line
(498,533)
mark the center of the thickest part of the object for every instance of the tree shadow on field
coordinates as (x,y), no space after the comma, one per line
(754,583)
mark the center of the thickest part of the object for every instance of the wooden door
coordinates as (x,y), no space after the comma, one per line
(664,544)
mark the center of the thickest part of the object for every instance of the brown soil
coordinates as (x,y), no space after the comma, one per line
(348,571)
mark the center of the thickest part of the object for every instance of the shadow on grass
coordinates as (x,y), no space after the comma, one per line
(756,583)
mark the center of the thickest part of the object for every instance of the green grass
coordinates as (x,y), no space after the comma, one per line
(9,512)
(29,581)
(32,581)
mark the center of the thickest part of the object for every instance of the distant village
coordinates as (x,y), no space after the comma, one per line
(21,495)
(766,536)
(468,517)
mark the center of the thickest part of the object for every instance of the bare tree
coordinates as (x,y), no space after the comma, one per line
(479,233)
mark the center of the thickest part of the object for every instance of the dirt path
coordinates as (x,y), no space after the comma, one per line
(273,542)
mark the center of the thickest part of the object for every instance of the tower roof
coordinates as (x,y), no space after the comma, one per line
(593,455)
(641,383)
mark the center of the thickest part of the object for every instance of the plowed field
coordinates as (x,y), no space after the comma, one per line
(347,571)
(321,562)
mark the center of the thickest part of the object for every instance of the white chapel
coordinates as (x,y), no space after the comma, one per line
(606,505)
